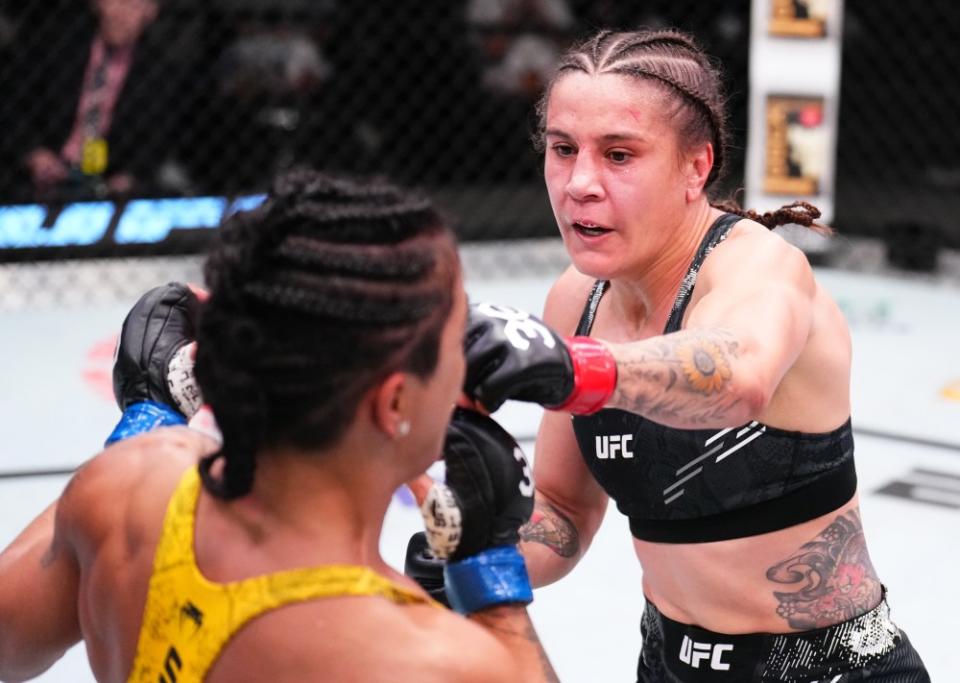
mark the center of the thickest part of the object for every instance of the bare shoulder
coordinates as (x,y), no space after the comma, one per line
(566,300)
(130,473)
(457,648)
(751,251)
(368,639)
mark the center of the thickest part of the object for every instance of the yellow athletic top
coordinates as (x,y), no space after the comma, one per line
(188,620)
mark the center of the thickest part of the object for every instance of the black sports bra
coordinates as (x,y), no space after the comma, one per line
(693,486)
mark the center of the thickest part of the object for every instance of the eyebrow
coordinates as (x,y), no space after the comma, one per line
(608,137)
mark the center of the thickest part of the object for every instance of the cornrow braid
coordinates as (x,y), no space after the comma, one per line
(647,42)
(669,58)
(414,259)
(352,223)
(336,298)
(799,213)
(328,286)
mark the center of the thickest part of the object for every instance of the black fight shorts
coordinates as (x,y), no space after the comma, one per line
(867,648)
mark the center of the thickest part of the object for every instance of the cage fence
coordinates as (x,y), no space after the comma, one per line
(218,96)
(46,285)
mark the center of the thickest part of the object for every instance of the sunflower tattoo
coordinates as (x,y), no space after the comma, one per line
(704,365)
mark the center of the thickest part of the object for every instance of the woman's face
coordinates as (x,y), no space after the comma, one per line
(613,170)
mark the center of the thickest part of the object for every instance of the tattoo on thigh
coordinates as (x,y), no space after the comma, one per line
(832,577)
(551,528)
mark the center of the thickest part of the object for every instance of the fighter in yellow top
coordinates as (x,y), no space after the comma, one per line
(330,352)
(189,619)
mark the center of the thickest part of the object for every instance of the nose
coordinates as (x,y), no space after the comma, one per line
(584,183)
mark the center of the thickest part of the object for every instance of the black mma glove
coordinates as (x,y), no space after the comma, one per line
(426,569)
(473,519)
(153,372)
(513,355)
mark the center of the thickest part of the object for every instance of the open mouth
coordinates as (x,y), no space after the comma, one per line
(590,229)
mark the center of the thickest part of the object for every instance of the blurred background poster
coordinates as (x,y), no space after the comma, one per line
(795,72)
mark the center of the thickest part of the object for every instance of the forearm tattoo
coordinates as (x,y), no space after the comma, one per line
(505,622)
(686,375)
(832,576)
(550,527)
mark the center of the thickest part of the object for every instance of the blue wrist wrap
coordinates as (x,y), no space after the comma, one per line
(493,577)
(142,417)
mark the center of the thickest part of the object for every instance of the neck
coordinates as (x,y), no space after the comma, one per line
(333,502)
(646,297)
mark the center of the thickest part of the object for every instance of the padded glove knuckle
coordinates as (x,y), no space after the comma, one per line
(513,355)
(159,324)
(491,480)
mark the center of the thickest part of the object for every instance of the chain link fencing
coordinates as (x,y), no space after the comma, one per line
(77,283)
(898,138)
(222,94)
(219,95)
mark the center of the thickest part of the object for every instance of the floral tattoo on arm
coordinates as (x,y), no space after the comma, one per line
(550,527)
(832,577)
(683,375)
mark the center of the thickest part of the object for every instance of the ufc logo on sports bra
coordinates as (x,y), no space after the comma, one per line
(694,653)
(609,446)
(520,329)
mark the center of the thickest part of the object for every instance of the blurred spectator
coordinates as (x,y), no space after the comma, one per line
(271,69)
(525,65)
(521,41)
(401,100)
(99,102)
(517,45)
(543,13)
(282,59)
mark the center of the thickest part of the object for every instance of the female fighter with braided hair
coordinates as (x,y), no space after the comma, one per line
(330,352)
(716,410)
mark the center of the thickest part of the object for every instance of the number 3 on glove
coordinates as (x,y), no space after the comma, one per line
(473,519)
(488,492)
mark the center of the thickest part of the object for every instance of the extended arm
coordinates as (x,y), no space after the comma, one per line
(740,338)
(39,571)
(527,357)
(39,579)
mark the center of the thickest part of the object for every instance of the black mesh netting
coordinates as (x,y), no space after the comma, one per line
(898,151)
(220,94)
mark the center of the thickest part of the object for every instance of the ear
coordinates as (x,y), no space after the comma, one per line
(391,405)
(698,166)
